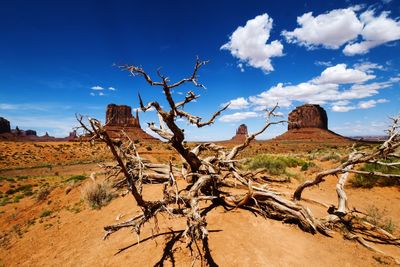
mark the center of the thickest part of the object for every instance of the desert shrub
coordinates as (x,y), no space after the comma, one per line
(98,194)
(45,213)
(17,198)
(17,230)
(43,193)
(4,201)
(76,178)
(11,180)
(378,217)
(30,222)
(274,165)
(149,148)
(369,181)
(10,191)
(25,189)
(75,208)
(331,157)
(306,165)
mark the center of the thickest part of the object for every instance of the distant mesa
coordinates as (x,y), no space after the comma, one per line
(119,119)
(241,134)
(32,132)
(308,116)
(121,115)
(8,134)
(4,125)
(309,123)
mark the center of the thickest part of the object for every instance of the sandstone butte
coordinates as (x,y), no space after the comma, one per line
(8,134)
(4,125)
(309,123)
(119,118)
(241,134)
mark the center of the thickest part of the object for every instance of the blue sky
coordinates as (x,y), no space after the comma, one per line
(343,55)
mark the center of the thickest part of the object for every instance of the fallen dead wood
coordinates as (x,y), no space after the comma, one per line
(217,178)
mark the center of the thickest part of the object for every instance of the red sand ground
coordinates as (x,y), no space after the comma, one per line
(67,238)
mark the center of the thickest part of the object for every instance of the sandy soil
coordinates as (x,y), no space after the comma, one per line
(71,235)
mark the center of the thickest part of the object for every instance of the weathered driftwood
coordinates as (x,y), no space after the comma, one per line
(216,179)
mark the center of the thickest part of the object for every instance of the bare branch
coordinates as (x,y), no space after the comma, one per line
(192,78)
(197,120)
(135,71)
(269,113)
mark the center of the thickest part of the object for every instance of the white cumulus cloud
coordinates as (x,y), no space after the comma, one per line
(340,74)
(340,108)
(337,86)
(359,32)
(368,67)
(371,103)
(377,30)
(238,116)
(238,103)
(330,30)
(97,88)
(249,44)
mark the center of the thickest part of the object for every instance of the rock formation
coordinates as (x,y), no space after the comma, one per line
(121,115)
(8,134)
(309,123)
(241,134)
(4,125)
(119,118)
(308,116)
(30,133)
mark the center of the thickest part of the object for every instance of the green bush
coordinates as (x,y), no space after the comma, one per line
(12,180)
(306,165)
(4,201)
(45,213)
(25,189)
(331,157)
(368,181)
(17,198)
(274,165)
(378,217)
(76,178)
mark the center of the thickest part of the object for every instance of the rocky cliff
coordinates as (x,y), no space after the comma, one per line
(308,116)
(119,118)
(241,134)
(121,115)
(309,123)
(4,125)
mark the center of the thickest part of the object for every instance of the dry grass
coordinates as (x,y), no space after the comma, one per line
(98,194)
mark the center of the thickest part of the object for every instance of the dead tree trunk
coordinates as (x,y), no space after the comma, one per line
(214,178)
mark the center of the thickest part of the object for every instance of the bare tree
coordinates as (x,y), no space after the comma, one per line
(210,181)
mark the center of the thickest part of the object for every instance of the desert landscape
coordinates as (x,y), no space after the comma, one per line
(120,147)
(57,191)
